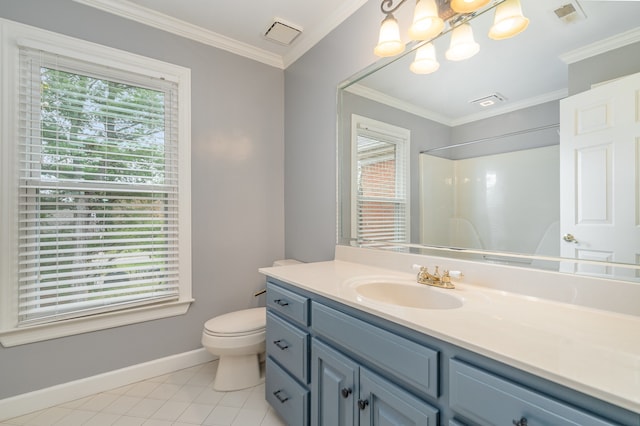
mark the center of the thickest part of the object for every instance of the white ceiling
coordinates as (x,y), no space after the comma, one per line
(239,25)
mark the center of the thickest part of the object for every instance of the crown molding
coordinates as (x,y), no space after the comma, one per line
(383,98)
(310,39)
(602,46)
(374,95)
(143,15)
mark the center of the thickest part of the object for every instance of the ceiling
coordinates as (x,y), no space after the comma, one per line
(239,25)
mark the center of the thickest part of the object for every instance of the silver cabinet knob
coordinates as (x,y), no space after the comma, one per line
(570,238)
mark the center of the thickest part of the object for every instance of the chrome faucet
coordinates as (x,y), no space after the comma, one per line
(435,279)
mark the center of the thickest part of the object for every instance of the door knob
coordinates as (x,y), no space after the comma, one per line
(362,403)
(346,392)
(570,238)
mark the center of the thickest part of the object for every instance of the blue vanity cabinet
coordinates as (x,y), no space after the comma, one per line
(287,354)
(350,392)
(334,387)
(345,393)
(488,399)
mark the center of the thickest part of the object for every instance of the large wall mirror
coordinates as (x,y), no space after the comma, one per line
(473,149)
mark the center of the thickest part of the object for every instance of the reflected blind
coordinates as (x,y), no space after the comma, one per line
(382,189)
(98,189)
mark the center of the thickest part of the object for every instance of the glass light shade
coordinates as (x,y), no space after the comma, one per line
(508,20)
(467,6)
(425,61)
(462,46)
(389,43)
(426,22)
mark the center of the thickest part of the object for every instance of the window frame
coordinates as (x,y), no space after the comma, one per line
(386,132)
(13,35)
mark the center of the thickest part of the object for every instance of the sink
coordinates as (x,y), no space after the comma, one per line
(407,295)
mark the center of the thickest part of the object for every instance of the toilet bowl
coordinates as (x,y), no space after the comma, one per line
(237,338)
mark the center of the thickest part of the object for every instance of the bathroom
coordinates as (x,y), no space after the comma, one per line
(263,174)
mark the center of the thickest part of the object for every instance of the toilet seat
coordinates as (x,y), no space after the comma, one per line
(236,324)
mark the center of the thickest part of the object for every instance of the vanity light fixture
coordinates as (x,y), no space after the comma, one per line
(426,22)
(468,6)
(432,16)
(463,46)
(389,42)
(508,20)
(425,61)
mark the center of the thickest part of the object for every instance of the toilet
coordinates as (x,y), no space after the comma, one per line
(238,339)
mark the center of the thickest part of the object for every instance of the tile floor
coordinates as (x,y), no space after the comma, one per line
(182,398)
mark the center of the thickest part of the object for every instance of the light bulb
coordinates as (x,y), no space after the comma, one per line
(426,22)
(508,20)
(389,43)
(467,6)
(462,46)
(425,61)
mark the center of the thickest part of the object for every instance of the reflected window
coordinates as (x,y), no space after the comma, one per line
(380,182)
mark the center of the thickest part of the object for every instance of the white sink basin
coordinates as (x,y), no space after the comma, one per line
(407,295)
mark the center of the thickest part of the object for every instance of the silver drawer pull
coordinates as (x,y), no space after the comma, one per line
(521,422)
(281,398)
(280,302)
(281,345)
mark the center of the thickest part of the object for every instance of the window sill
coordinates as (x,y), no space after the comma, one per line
(36,333)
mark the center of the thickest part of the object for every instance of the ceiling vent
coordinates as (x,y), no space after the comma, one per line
(570,12)
(282,32)
(487,101)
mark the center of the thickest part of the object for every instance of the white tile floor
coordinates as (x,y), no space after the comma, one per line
(182,398)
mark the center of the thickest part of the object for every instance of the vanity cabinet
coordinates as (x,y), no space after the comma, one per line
(346,393)
(505,402)
(287,354)
(329,364)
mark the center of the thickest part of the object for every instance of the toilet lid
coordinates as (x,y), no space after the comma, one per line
(238,322)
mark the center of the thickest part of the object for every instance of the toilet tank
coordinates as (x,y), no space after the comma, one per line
(285,262)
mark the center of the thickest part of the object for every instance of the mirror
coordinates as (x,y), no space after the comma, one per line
(504,159)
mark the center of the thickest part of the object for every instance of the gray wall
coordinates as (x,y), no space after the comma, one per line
(607,66)
(237,195)
(310,132)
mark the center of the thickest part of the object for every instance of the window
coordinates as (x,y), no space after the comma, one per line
(100,220)
(380,182)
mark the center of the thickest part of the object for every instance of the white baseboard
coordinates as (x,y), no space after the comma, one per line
(20,405)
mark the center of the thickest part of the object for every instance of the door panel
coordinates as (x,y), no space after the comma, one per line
(600,177)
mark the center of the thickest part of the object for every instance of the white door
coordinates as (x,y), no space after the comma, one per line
(600,176)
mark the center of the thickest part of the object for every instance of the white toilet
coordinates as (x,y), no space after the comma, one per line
(238,339)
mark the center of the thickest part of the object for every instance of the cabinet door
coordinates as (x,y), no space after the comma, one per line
(382,403)
(335,387)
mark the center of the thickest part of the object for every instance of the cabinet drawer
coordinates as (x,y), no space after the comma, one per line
(286,396)
(287,303)
(407,361)
(490,400)
(289,346)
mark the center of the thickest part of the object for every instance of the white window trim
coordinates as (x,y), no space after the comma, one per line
(394,133)
(11,35)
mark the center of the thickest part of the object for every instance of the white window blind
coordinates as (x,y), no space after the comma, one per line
(98,189)
(382,186)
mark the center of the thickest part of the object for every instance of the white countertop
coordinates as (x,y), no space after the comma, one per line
(593,351)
